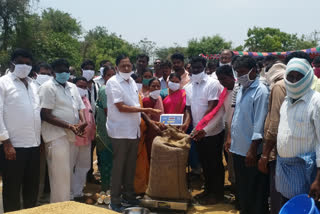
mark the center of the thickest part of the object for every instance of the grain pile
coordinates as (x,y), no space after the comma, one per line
(69,207)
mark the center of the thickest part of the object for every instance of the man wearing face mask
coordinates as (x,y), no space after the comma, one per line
(20,126)
(44,73)
(225,57)
(246,137)
(202,96)
(80,151)
(63,119)
(123,126)
(298,140)
(88,72)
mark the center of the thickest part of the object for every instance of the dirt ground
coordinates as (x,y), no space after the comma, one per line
(196,183)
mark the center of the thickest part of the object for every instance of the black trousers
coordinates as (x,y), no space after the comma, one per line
(210,156)
(21,174)
(252,186)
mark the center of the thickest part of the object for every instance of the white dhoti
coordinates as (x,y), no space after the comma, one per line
(58,158)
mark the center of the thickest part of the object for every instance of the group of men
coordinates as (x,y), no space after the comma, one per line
(268,120)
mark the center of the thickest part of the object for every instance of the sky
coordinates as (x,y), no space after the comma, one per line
(167,22)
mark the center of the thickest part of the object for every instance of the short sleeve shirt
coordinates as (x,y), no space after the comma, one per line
(122,125)
(65,103)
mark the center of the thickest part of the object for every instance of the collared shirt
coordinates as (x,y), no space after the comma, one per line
(99,80)
(65,103)
(163,83)
(271,125)
(122,125)
(185,79)
(19,112)
(198,96)
(299,127)
(249,116)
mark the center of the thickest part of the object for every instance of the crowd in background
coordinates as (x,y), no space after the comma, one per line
(262,115)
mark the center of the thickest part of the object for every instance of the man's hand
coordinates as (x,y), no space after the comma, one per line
(198,135)
(42,148)
(184,127)
(251,157)
(263,165)
(9,150)
(77,129)
(315,187)
(156,128)
(152,111)
(82,126)
(227,146)
(315,190)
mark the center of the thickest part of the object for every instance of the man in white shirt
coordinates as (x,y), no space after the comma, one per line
(44,73)
(20,126)
(202,96)
(123,126)
(298,143)
(88,71)
(61,112)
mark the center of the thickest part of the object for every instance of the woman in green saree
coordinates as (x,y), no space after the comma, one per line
(104,148)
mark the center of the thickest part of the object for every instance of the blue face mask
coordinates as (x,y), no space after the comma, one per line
(62,77)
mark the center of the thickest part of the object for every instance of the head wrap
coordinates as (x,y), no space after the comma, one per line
(300,88)
(276,72)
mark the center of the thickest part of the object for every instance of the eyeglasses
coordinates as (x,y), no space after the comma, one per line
(157,63)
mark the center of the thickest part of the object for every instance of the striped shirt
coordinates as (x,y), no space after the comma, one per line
(299,127)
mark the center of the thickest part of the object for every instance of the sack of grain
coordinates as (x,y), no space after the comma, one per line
(169,156)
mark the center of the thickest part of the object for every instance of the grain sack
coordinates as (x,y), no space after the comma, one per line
(169,156)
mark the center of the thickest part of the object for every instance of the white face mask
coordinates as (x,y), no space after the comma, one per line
(174,86)
(196,78)
(222,64)
(21,70)
(83,92)
(155,94)
(42,78)
(139,85)
(125,76)
(101,71)
(88,74)
(244,80)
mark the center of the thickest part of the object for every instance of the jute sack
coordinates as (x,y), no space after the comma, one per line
(169,156)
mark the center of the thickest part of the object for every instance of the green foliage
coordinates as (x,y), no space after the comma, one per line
(61,22)
(48,40)
(239,48)
(165,53)
(272,39)
(207,45)
(99,44)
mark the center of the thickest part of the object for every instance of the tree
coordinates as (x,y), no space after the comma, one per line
(11,11)
(207,45)
(272,39)
(147,47)
(165,53)
(52,35)
(99,44)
